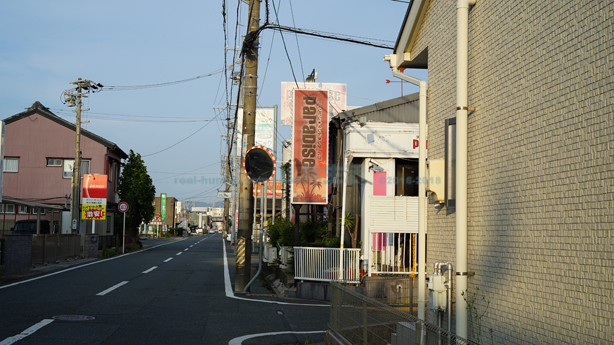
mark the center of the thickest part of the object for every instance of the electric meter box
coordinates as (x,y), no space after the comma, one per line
(437,293)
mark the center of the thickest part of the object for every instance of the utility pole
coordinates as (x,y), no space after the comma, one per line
(82,87)
(246,203)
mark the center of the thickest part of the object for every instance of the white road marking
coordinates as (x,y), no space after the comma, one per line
(239,340)
(91,263)
(169,259)
(230,294)
(27,332)
(179,253)
(111,288)
(185,250)
(151,269)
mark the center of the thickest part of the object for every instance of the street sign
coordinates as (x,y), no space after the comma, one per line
(122,207)
(94,197)
(224,195)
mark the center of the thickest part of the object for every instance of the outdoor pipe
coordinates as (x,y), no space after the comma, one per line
(421,192)
(462,47)
(263,192)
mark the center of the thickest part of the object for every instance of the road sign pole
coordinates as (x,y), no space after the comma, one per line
(124,236)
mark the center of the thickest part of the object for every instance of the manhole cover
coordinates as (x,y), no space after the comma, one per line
(74,317)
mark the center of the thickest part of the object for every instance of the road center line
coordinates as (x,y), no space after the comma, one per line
(111,288)
(169,259)
(185,250)
(27,332)
(151,269)
(179,253)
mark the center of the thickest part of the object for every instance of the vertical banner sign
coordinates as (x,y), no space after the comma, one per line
(94,197)
(163,206)
(337,98)
(310,147)
(264,128)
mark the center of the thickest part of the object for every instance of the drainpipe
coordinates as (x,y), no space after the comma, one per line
(346,165)
(421,193)
(462,43)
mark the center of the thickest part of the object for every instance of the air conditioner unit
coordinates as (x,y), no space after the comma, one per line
(270,254)
(287,253)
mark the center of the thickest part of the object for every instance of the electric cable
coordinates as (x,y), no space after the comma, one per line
(147,86)
(177,143)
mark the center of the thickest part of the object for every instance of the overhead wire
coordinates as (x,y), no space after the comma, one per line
(148,86)
(177,143)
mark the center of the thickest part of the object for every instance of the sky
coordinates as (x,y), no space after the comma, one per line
(184,45)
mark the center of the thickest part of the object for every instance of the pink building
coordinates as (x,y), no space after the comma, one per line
(39,152)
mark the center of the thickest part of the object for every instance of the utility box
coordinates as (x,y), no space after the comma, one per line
(437,293)
(435,182)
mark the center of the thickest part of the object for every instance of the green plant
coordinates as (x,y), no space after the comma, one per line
(334,242)
(475,314)
(281,233)
(132,247)
(108,252)
(314,231)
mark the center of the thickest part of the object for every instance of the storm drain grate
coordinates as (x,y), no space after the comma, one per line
(74,317)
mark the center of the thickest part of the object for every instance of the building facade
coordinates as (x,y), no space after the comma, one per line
(540,165)
(39,152)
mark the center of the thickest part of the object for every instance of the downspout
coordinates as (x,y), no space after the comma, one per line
(462,47)
(346,165)
(421,192)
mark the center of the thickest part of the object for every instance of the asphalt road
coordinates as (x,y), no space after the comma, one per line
(175,291)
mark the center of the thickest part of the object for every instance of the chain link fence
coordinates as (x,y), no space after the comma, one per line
(360,320)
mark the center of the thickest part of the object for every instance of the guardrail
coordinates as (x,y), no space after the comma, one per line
(324,264)
(54,247)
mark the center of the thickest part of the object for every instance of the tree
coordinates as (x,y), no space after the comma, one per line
(136,188)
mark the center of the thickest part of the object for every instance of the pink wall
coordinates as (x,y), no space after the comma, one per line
(34,139)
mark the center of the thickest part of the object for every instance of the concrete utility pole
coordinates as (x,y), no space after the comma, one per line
(82,87)
(76,178)
(246,203)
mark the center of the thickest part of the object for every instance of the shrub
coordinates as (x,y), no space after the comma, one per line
(108,252)
(281,233)
(314,231)
(132,247)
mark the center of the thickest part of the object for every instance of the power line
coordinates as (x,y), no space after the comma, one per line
(177,143)
(147,86)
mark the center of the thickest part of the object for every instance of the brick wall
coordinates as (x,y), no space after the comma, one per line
(541,167)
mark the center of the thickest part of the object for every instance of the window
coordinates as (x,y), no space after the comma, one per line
(54,162)
(68,166)
(450,173)
(9,208)
(110,174)
(406,177)
(10,164)
(23,209)
(33,210)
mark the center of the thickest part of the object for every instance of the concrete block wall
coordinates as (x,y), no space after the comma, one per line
(16,254)
(541,166)
(90,248)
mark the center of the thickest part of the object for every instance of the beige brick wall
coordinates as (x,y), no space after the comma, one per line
(541,167)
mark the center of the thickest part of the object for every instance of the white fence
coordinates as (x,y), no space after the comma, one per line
(392,253)
(323,264)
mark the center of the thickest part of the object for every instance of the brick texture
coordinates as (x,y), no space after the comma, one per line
(541,167)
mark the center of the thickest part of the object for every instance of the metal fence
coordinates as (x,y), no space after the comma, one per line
(324,264)
(361,320)
(55,247)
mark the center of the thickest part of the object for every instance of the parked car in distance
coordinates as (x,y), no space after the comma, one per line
(212,231)
(28,227)
(199,230)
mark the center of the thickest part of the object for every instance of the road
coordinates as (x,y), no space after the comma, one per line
(176,291)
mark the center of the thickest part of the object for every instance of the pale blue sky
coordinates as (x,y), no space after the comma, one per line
(44,45)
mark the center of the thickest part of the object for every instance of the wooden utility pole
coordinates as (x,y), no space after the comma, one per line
(246,203)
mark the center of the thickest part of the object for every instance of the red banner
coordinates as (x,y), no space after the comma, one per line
(310,147)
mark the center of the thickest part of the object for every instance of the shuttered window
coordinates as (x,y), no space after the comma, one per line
(10,165)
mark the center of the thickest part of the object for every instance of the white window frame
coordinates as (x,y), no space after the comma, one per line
(71,162)
(33,210)
(23,209)
(5,165)
(9,206)
(54,162)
